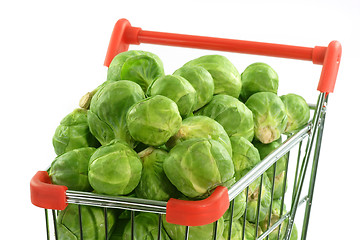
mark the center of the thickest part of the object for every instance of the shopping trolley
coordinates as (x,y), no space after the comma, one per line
(305,143)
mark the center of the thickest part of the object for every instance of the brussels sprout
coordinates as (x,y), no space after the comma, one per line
(253,197)
(245,155)
(114,169)
(154,120)
(239,207)
(177,89)
(119,227)
(145,228)
(71,169)
(226,77)
(204,232)
(232,114)
(202,82)
(275,216)
(93,222)
(269,116)
(266,149)
(196,166)
(108,109)
(142,68)
(258,77)
(118,61)
(73,132)
(153,183)
(137,66)
(200,127)
(237,230)
(297,110)
(85,100)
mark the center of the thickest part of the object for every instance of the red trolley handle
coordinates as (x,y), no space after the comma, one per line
(47,195)
(44,194)
(201,212)
(124,34)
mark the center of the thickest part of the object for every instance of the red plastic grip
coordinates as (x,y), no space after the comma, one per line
(196,213)
(124,34)
(330,67)
(47,195)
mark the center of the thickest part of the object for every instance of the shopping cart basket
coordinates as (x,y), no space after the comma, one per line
(306,143)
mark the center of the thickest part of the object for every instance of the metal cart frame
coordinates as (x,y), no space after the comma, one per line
(195,213)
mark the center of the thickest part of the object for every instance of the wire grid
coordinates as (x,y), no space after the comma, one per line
(307,137)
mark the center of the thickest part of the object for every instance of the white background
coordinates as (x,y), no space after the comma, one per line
(51,53)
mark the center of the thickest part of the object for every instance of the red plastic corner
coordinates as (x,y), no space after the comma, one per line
(47,195)
(197,213)
(330,67)
(122,35)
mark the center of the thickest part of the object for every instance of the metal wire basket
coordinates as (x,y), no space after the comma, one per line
(304,145)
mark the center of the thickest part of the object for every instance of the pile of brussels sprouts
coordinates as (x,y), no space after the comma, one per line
(148,135)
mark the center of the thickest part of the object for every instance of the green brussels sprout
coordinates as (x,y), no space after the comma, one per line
(93,222)
(258,77)
(177,89)
(266,149)
(142,68)
(73,132)
(196,166)
(114,169)
(137,66)
(153,183)
(253,197)
(118,231)
(239,207)
(232,114)
(118,61)
(269,116)
(275,216)
(227,79)
(237,230)
(85,100)
(145,227)
(204,232)
(297,110)
(200,127)
(245,156)
(202,82)
(71,169)
(108,109)
(154,120)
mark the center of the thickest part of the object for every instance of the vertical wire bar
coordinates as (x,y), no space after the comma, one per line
(47,225)
(297,168)
(258,206)
(159,228)
(132,219)
(302,174)
(186,232)
(272,198)
(284,187)
(215,229)
(313,174)
(55,225)
(244,216)
(106,223)
(232,203)
(80,222)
